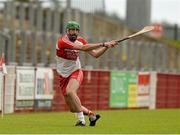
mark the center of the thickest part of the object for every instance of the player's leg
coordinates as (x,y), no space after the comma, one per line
(73,100)
(87,111)
(78,75)
(92,116)
(71,97)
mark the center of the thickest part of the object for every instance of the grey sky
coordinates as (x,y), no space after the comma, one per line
(162,10)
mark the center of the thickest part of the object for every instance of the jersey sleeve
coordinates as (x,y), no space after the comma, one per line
(64,44)
(82,40)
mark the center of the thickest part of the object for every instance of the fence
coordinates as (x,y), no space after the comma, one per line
(29,34)
(37,89)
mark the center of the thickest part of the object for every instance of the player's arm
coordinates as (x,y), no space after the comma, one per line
(88,47)
(65,44)
(98,52)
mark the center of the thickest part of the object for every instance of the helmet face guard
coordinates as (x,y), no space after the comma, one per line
(72,25)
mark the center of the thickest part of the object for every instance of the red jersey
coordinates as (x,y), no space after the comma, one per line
(67,57)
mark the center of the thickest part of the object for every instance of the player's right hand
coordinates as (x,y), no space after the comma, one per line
(111,44)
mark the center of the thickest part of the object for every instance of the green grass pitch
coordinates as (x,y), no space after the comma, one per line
(162,121)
